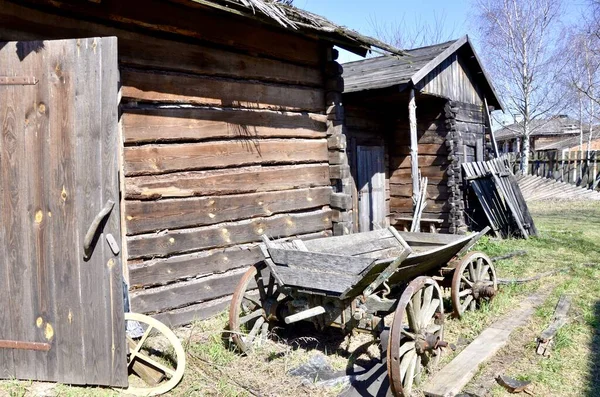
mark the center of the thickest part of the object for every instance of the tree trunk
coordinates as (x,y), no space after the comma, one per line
(525,156)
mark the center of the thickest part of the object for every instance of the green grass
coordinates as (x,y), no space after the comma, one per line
(569,237)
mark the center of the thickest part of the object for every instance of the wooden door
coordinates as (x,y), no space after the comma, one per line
(61,309)
(370,175)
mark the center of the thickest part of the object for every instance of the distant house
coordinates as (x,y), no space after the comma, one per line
(449,87)
(544,132)
(571,143)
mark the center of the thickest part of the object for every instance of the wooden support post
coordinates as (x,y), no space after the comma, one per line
(414,144)
(489,125)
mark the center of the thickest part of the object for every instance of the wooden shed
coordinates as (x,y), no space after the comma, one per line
(446,89)
(218,110)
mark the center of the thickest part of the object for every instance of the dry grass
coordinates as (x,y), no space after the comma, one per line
(569,237)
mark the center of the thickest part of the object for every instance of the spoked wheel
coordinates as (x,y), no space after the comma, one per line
(252,312)
(473,283)
(416,336)
(157,358)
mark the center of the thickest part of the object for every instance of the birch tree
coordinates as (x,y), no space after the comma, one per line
(517,39)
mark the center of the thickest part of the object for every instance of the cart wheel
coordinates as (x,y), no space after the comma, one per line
(474,282)
(147,358)
(416,334)
(252,309)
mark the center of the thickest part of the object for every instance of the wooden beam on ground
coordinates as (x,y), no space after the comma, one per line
(558,320)
(455,375)
(414,144)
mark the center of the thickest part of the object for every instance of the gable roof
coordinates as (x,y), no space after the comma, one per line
(553,126)
(388,70)
(301,21)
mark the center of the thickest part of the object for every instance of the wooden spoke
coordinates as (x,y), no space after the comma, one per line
(156,364)
(467,302)
(406,347)
(173,369)
(410,375)
(251,316)
(250,327)
(138,347)
(475,270)
(466,281)
(472,272)
(428,294)
(406,361)
(404,364)
(419,368)
(417,302)
(465,292)
(257,326)
(412,317)
(427,314)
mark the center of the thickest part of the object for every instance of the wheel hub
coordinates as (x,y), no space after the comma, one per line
(481,290)
(428,342)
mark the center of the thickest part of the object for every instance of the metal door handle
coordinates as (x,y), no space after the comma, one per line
(93,229)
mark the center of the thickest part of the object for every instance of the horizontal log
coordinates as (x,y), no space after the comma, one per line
(189,314)
(164,125)
(433,191)
(423,148)
(339,171)
(432,206)
(436,172)
(336,142)
(424,161)
(152,86)
(469,113)
(156,159)
(337,158)
(423,137)
(341,201)
(166,270)
(156,17)
(149,216)
(227,234)
(242,180)
(173,296)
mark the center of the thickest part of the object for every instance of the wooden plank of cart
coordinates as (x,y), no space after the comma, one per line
(355,281)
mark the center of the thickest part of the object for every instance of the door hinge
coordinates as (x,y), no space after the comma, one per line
(21,345)
(18,80)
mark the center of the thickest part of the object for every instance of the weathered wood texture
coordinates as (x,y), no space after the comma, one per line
(59,166)
(432,134)
(452,79)
(223,124)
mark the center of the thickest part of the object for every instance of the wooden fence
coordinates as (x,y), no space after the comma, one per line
(576,168)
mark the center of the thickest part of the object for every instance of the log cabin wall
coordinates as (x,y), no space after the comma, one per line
(432,133)
(366,127)
(224,139)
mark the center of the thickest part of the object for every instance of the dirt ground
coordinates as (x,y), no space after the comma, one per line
(569,239)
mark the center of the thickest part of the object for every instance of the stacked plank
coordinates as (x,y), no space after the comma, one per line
(500,197)
(537,188)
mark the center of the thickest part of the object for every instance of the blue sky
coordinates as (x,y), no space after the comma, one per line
(357,14)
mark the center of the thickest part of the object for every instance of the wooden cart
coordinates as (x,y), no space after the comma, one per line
(355,281)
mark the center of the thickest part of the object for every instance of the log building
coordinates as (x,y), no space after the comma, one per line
(447,89)
(226,118)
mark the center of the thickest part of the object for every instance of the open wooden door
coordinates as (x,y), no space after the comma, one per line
(371,187)
(61,305)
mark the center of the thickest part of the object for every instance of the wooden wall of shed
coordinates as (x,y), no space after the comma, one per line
(366,127)
(224,139)
(452,79)
(433,162)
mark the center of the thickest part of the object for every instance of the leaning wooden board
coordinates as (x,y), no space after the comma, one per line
(59,151)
